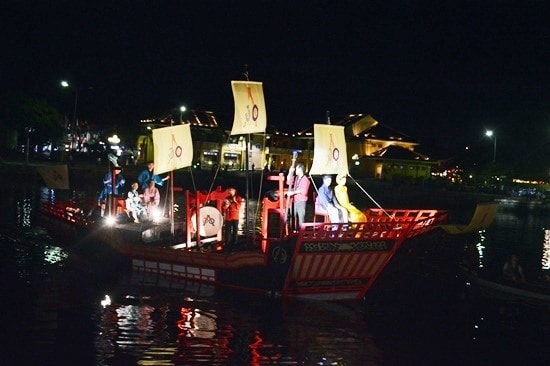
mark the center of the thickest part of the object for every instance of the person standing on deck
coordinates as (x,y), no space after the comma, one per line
(232,208)
(148,174)
(108,187)
(300,190)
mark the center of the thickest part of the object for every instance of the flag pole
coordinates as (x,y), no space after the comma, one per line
(171,187)
(245,73)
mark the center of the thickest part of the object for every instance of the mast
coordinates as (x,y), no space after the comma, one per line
(249,118)
(290,181)
(171,188)
(247,177)
(112,201)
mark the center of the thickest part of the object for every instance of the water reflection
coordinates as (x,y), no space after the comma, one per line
(546,250)
(23,212)
(54,308)
(481,248)
(54,254)
(170,329)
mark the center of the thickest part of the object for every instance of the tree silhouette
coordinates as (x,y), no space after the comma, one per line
(19,114)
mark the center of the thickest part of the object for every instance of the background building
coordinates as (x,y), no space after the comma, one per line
(374,150)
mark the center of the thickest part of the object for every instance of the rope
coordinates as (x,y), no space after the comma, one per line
(260,187)
(369,196)
(193,178)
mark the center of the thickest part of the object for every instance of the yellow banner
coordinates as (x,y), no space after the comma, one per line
(250,113)
(329,154)
(173,148)
(55,177)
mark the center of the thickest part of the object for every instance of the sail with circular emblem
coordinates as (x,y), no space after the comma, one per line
(173,148)
(329,154)
(250,113)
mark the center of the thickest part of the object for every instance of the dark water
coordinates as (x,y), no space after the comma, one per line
(421,312)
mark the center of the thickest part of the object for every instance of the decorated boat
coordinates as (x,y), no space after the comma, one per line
(319,260)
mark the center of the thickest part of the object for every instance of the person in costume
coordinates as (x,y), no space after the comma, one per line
(327,203)
(232,208)
(134,203)
(341,193)
(148,174)
(300,189)
(108,187)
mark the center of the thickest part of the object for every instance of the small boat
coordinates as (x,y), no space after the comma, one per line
(512,291)
(536,203)
(317,260)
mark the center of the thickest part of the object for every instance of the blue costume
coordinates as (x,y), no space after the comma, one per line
(326,197)
(326,203)
(145,176)
(108,185)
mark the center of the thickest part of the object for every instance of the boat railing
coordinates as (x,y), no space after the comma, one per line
(407,223)
(65,212)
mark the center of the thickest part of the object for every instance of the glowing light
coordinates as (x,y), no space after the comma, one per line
(110,220)
(157,214)
(546,250)
(114,139)
(106,301)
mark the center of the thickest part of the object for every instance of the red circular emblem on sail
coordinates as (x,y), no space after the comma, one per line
(335,153)
(255,112)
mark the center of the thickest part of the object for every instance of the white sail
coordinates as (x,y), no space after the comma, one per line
(55,177)
(329,154)
(250,113)
(173,148)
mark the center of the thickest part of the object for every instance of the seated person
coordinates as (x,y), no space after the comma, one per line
(512,270)
(151,198)
(326,203)
(134,204)
(341,193)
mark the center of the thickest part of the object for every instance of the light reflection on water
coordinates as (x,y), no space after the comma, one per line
(56,298)
(546,250)
(198,331)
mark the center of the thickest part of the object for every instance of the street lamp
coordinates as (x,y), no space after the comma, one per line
(66,84)
(28,130)
(182,109)
(489,133)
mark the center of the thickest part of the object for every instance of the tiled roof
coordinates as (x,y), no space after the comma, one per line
(361,127)
(399,153)
(195,118)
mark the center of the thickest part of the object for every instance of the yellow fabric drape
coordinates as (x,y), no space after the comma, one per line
(355,215)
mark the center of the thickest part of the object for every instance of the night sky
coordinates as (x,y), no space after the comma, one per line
(441,71)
